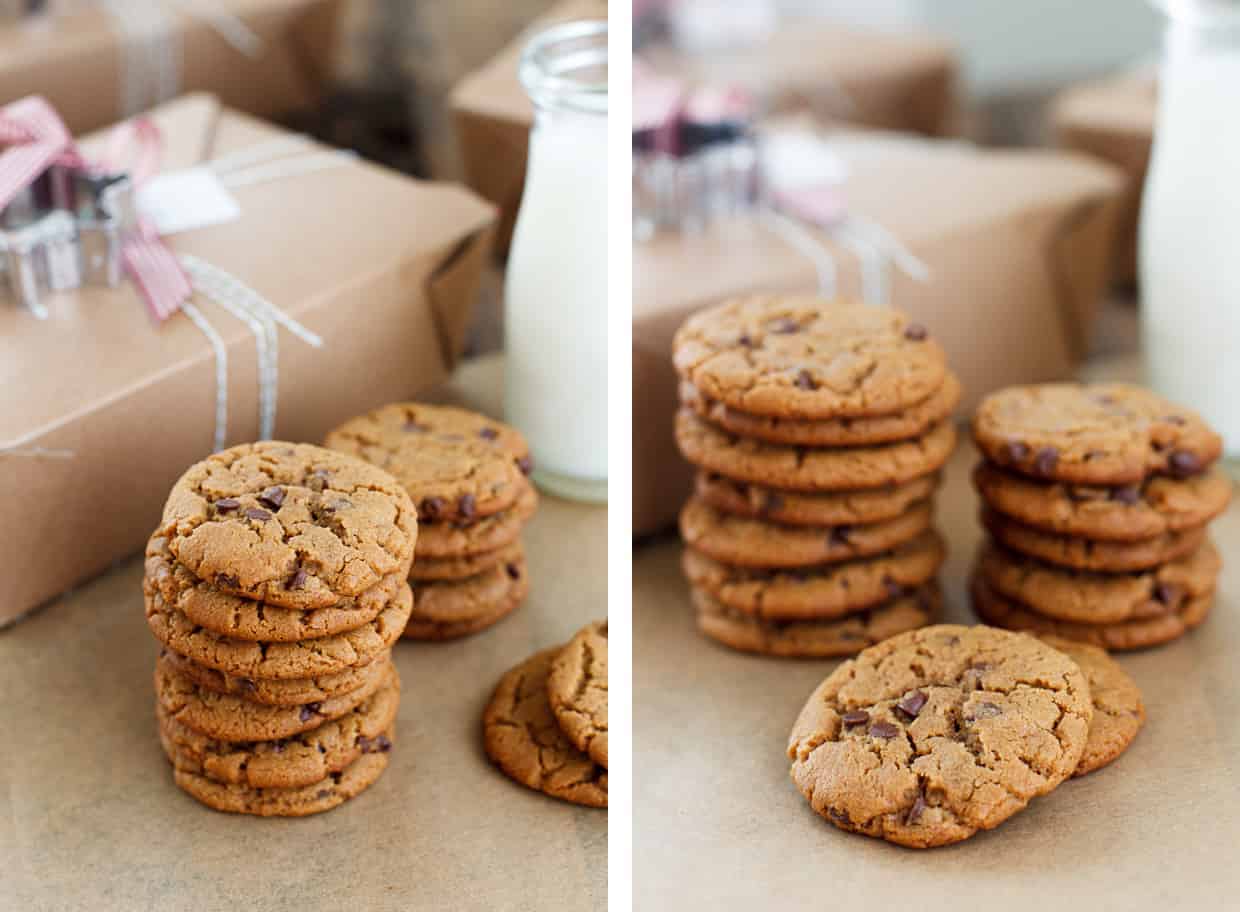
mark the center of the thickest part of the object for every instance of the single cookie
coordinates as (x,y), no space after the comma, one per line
(456,465)
(289,524)
(286,692)
(482,536)
(245,619)
(830,638)
(808,358)
(431,569)
(577,691)
(994,609)
(818,593)
(303,659)
(1083,554)
(524,740)
(1106,434)
(229,718)
(933,735)
(1126,513)
(289,763)
(452,608)
(833,432)
(753,543)
(1119,711)
(331,792)
(826,508)
(803,469)
(1100,598)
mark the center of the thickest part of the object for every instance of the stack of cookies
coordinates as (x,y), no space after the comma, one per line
(546,724)
(1097,501)
(467,475)
(276,583)
(818,429)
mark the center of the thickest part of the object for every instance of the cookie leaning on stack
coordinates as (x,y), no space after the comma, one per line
(1097,501)
(546,724)
(818,428)
(276,583)
(466,474)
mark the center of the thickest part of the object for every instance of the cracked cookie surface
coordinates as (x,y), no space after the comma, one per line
(466,539)
(808,358)
(1105,434)
(818,593)
(456,465)
(293,525)
(577,690)
(824,508)
(803,469)
(272,691)
(448,609)
(933,735)
(523,738)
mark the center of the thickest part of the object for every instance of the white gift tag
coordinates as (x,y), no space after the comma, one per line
(185,200)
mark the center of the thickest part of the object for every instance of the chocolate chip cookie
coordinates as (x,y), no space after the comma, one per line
(825,508)
(1119,711)
(433,569)
(834,432)
(818,593)
(277,692)
(452,608)
(1137,634)
(523,738)
(827,638)
(455,464)
(465,539)
(577,691)
(1083,554)
(1100,598)
(1105,434)
(1157,506)
(808,358)
(753,543)
(289,524)
(935,734)
(802,469)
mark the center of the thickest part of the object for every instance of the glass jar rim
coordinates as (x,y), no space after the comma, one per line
(554,61)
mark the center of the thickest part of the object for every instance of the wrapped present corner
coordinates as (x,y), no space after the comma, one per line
(1016,245)
(102,408)
(1113,119)
(98,63)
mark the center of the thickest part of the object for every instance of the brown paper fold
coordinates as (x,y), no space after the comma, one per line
(1017,243)
(384,268)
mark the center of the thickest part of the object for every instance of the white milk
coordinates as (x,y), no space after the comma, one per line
(556,303)
(1190,238)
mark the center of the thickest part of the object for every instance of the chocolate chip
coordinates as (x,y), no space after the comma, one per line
(1128,494)
(227,505)
(855,717)
(740,488)
(272,497)
(513,571)
(784,326)
(1016,451)
(323,793)
(467,506)
(322,748)
(892,588)
(309,711)
(247,685)
(1183,463)
(488,433)
(525,465)
(745,341)
(385,744)
(915,332)
(806,381)
(914,812)
(317,480)
(412,427)
(1083,493)
(298,579)
(912,703)
(1166,593)
(227,581)
(1178,420)
(839,816)
(431,508)
(277,747)
(883,730)
(987,711)
(1045,461)
(256,514)
(839,535)
(771,502)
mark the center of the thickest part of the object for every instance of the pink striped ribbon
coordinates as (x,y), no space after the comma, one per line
(34,138)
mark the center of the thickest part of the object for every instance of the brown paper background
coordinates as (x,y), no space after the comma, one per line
(719,825)
(90,819)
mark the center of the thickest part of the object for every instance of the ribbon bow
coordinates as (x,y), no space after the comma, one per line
(34,139)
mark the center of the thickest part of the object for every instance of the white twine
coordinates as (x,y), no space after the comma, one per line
(221,372)
(800,238)
(37,452)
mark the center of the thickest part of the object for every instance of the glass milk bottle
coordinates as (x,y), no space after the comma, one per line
(1190,218)
(556,287)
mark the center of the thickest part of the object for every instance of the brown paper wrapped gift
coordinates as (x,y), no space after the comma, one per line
(1114,120)
(76,57)
(1016,242)
(492,115)
(102,410)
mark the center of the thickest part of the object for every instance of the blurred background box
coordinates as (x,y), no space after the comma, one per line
(132,403)
(97,67)
(1018,248)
